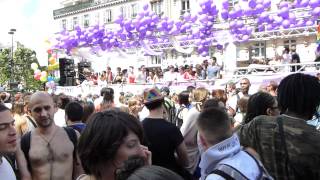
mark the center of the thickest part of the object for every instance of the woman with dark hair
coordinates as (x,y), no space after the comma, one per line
(108,100)
(185,105)
(135,169)
(88,110)
(261,103)
(108,140)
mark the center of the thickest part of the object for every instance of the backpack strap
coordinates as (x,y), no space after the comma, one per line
(25,147)
(177,115)
(222,174)
(32,122)
(26,139)
(73,138)
(226,171)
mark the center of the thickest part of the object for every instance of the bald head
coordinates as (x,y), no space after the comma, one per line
(40,96)
(42,109)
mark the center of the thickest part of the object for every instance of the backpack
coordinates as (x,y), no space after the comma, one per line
(25,144)
(177,120)
(230,173)
(171,110)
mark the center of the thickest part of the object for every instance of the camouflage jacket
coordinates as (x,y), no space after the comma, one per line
(302,143)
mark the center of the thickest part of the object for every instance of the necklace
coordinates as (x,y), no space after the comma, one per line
(50,157)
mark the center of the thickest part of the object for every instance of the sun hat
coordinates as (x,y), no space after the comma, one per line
(152,95)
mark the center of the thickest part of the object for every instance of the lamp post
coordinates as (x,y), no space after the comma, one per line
(11,32)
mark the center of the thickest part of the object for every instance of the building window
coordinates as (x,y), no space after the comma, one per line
(134,10)
(232,3)
(289,43)
(259,50)
(123,11)
(155,60)
(75,22)
(97,18)
(108,16)
(86,21)
(64,24)
(185,6)
(156,7)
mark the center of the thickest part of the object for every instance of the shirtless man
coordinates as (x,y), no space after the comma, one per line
(51,150)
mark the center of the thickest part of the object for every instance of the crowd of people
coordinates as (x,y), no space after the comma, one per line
(208,70)
(160,135)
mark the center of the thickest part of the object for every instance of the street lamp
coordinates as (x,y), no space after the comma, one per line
(11,32)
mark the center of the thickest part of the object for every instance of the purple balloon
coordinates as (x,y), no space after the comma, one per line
(309,23)
(284,12)
(267,4)
(145,7)
(304,3)
(252,4)
(314,3)
(232,24)
(300,23)
(249,30)
(232,14)
(225,14)
(283,4)
(219,46)
(292,16)
(259,8)
(186,16)
(245,38)
(269,27)
(316,11)
(249,11)
(285,23)
(225,4)
(240,23)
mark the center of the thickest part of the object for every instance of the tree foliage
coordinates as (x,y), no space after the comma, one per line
(21,70)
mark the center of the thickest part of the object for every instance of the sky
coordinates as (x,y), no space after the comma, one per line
(33,20)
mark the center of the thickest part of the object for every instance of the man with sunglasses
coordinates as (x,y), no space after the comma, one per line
(8,142)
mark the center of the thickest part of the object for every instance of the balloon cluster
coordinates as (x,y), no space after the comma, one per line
(53,63)
(207,16)
(38,75)
(318,41)
(149,28)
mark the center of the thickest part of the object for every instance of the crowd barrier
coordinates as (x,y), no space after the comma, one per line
(175,87)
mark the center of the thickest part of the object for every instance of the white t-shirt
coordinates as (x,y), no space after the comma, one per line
(170,76)
(6,171)
(59,118)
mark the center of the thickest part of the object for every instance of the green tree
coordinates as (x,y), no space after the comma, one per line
(21,70)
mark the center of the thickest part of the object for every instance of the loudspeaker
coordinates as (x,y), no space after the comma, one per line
(81,66)
(70,81)
(67,72)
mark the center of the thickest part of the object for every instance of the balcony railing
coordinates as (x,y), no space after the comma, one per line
(84,5)
(73,8)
